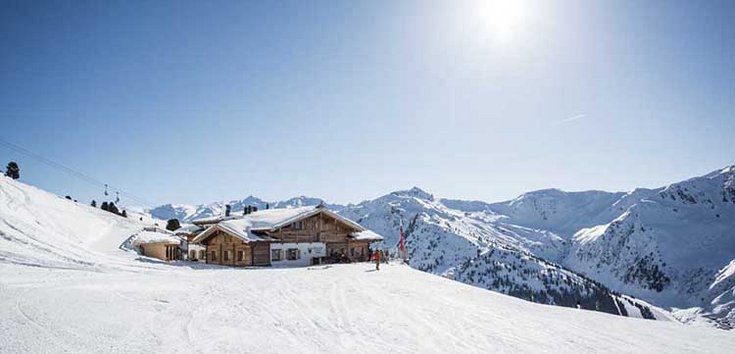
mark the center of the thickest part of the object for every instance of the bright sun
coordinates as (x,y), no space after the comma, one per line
(504,17)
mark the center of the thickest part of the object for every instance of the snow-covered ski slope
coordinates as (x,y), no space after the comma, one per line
(338,309)
(66,286)
(41,229)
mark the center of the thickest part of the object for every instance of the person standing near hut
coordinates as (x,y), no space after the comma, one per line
(376,255)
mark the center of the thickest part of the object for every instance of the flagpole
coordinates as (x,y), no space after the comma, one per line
(402,242)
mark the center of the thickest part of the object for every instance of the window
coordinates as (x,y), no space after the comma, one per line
(213,255)
(227,256)
(202,254)
(240,256)
(192,255)
(276,255)
(352,251)
(293,254)
(297,225)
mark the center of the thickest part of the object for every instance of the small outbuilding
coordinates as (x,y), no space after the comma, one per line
(158,243)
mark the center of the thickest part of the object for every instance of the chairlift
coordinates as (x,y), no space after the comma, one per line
(106,189)
(117,197)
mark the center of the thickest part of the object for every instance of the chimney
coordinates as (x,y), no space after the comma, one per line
(227,210)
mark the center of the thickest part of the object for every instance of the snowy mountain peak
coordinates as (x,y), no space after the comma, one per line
(547,192)
(251,199)
(415,192)
(727,170)
(299,201)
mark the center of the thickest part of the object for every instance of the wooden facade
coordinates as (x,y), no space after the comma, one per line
(161,250)
(225,249)
(329,230)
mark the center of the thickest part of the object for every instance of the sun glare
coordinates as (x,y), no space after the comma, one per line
(504,18)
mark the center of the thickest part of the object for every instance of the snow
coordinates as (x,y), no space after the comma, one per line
(211,212)
(44,230)
(238,228)
(262,219)
(186,229)
(270,219)
(274,218)
(66,285)
(366,235)
(673,248)
(144,237)
(335,309)
(215,219)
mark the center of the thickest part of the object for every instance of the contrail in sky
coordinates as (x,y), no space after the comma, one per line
(573,118)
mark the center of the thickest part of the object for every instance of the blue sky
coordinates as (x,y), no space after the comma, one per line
(191,102)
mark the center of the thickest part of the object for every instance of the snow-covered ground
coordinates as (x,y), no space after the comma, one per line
(345,308)
(66,285)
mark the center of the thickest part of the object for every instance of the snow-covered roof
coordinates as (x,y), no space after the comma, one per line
(215,219)
(145,237)
(188,229)
(272,219)
(366,235)
(238,228)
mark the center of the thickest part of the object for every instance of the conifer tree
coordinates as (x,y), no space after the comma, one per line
(173,224)
(12,170)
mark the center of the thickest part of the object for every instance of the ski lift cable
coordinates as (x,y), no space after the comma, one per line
(80,175)
(72,172)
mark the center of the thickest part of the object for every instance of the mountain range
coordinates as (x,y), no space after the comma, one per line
(671,247)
